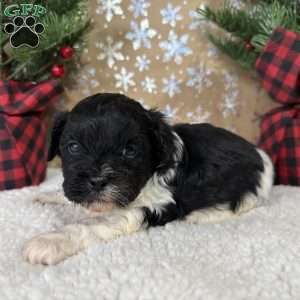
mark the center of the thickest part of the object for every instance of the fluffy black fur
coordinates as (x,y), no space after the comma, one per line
(111,146)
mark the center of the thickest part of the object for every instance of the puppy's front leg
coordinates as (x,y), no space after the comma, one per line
(56,197)
(53,247)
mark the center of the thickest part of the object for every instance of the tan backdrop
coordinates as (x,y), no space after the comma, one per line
(157,53)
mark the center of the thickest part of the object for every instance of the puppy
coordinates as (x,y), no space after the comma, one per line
(128,163)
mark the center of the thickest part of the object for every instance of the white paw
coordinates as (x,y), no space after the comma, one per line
(50,198)
(49,248)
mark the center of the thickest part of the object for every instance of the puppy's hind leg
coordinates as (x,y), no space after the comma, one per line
(263,189)
(223,212)
(249,200)
(210,215)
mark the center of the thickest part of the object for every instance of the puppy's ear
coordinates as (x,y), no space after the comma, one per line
(59,123)
(162,140)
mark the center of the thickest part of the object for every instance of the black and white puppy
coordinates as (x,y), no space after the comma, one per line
(128,163)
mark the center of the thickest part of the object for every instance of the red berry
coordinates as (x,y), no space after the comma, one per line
(249,46)
(66,52)
(58,70)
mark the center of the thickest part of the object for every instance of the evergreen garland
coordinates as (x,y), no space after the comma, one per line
(249,29)
(65,23)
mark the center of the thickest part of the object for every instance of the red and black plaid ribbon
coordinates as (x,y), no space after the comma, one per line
(280,138)
(279,66)
(23,153)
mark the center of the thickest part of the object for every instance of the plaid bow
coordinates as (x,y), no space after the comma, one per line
(279,66)
(280,138)
(23,153)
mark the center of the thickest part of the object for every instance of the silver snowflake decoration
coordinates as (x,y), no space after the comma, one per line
(171,86)
(140,35)
(198,115)
(230,79)
(109,8)
(110,51)
(87,80)
(149,85)
(91,71)
(139,8)
(170,112)
(170,15)
(230,98)
(196,22)
(124,79)
(142,63)
(229,106)
(175,47)
(231,128)
(238,4)
(212,51)
(142,102)
(199,77)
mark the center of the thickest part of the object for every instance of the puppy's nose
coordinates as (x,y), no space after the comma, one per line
(98,183)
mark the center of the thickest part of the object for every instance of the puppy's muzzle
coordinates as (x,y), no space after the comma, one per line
(97,183)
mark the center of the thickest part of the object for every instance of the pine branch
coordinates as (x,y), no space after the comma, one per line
(60,7)
(17,70)
(254,24)
(62,30)
(270,17)
(66,22)
(236,50)
(282,2)
(276,15)
(237,22)
(6,62)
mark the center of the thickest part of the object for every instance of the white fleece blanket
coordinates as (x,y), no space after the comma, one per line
(256,256)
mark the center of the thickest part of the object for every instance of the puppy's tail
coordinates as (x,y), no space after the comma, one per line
(263,189)
(266,177)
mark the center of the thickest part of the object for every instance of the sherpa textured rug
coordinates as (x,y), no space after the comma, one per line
(256,256)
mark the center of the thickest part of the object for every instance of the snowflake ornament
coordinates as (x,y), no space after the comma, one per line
(91,71)
(230,79)
(142,102)
(230,103)
(229,106)
(109,8)
(199,77)
(124,79)
(232,129)
(175,47)
(94,83)
(199,115)
(238,4)
(139,8)
(212,51)
(141,35)
(110,51)
(87,80)
(170,112)
(170,15)
(171,86)
(197,22)
(142,63)
(149,85)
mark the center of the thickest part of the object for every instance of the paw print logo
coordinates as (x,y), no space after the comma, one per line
(24,31)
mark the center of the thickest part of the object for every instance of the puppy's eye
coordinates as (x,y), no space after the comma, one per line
(74,148)
(129,151)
